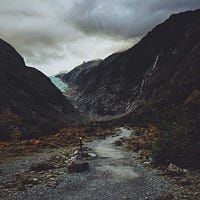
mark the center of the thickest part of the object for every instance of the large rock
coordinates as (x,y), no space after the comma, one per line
(78,166)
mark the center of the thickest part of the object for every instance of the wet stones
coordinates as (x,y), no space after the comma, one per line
(118,143)
(82,155)
(79,160)
(174,170)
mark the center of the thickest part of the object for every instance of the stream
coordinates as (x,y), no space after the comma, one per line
(106,149)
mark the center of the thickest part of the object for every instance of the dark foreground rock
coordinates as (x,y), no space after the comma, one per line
(78,166)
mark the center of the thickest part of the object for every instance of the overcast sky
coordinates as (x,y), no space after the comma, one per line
(57,35)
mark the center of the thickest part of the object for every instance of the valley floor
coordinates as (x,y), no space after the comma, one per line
(114,174)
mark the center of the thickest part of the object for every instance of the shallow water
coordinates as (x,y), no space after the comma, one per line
(106,149)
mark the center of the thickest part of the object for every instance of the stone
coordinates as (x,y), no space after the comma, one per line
(184,181)
(92,155)
(185,171)
(166,196)
(123,139)
(118,143)
(173,170)
(102,137)
(146,162)
(75,152)
(35,179)
(78,167)
(74,158)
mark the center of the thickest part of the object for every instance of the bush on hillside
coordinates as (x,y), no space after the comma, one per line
(179,144)
(9,123)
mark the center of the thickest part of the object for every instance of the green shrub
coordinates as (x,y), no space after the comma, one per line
(179,145)
(28,133)
(5,133)
(89,129)
(9,122)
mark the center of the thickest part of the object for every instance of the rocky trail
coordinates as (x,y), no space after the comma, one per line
(113,174)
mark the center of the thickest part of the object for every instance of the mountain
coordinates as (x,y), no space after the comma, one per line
(30,105)
(162,68)
(157,82)
(76,77)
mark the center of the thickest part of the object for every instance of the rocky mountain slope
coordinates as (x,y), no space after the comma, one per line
(77,75)
(157,81)
(30,105)
(163,67)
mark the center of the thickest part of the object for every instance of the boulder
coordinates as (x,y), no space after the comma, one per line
(78,167)
(92,155)
(174,170)
(118,143)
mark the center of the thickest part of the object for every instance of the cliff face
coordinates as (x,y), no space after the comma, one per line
(29,103)
(76,77)
(162,67)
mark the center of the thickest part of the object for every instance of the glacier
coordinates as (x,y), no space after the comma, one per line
(59,83)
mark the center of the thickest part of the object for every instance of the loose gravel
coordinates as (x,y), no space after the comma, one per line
(115,174)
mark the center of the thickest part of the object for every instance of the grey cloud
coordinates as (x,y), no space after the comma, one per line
(37,30)
(124,18)
(174,5)
(51,33)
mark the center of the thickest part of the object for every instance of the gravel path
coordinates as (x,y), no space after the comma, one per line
(113,175)
(22,163)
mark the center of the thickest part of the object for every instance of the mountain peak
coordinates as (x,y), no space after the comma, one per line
(154,68)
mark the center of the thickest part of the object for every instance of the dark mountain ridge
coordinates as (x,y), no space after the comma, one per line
(164,64)
(155,82)
(77,75)
(30,105)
